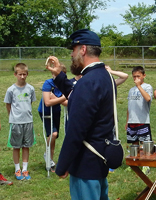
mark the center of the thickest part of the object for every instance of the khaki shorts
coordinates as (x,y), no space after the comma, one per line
(21,135)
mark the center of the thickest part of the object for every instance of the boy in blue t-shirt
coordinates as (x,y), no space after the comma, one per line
(52,97)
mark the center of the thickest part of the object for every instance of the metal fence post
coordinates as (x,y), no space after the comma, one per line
(19,54)
(114,59)
(143,57)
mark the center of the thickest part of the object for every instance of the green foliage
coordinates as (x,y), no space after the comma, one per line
(140,20)
(79,14)
(24,20)
(37,23)
(110,36)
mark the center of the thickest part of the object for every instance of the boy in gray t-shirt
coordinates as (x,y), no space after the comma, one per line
(18,99)
(139,102)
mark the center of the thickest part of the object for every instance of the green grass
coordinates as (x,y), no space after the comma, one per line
(122,184)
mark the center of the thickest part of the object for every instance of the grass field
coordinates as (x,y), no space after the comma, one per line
(122,184)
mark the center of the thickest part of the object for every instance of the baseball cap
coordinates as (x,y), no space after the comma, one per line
(86,37)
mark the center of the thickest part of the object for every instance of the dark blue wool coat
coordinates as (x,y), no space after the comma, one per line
(90,110)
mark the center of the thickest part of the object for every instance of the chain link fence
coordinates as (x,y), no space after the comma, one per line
(115,56)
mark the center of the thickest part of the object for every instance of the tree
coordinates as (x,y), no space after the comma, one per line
(22,21)
(79,14)
(110,36)
(140,20)
(25,22)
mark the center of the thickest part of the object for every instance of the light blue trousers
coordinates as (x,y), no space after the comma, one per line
(84,189)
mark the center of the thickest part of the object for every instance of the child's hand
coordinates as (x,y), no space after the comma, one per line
(108,68)
(52,96)
(137,82)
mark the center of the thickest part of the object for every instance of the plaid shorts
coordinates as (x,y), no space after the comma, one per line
(138,132)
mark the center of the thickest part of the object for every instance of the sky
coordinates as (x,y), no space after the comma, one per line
(112,15)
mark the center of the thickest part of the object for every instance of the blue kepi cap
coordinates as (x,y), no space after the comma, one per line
(86,37)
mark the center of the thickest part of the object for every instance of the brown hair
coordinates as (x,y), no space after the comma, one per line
(21,66)
(138,69)
(63,68)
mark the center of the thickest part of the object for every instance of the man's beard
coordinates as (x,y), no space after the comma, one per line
(77,65)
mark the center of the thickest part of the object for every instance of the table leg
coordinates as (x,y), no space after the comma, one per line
(146,180)
(143,194)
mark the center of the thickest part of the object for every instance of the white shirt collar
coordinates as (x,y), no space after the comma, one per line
(91,65)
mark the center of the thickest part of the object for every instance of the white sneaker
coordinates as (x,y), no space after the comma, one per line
(52,163)
(146,170)
(53,166)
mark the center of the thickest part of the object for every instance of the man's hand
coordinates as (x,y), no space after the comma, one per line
(65,175)
(56,69)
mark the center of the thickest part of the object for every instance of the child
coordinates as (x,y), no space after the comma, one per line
(52,97)
(139,102)
(4,181)
(75,79)
(18,99)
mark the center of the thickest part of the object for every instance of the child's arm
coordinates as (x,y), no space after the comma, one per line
(143,92)
(155,93)
(127,120)
(122,76)
(8,107)
(50,99)
(65,103)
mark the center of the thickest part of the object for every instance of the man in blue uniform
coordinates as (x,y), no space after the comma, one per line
(90,118)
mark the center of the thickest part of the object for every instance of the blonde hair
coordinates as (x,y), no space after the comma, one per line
(63,68)
(20,66)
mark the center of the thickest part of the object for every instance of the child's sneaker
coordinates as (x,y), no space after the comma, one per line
(19,175)
(146,170)
(26,175)
(4,181)
(111,170)
(53,166)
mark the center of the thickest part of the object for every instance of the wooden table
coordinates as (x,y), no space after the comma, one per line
(142,160)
